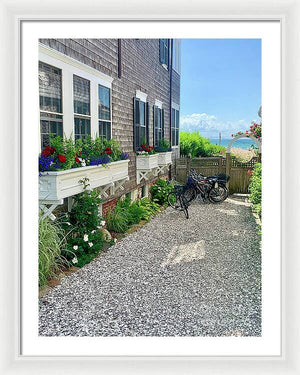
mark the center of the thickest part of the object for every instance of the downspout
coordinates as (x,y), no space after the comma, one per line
(171,73)
(119,59)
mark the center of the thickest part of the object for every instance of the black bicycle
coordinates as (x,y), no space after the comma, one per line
(178,200)
(208,189)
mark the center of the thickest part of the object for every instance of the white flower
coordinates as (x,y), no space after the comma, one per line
(85,238)
(91,244)
(74,260)
(83,163)
(93,231)
(68,223)
(75,247)
(102,223)
(115,240)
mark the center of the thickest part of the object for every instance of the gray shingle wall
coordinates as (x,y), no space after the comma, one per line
(141,70)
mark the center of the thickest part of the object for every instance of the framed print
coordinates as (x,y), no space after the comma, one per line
(76,96)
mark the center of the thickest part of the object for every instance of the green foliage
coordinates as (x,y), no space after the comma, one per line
(51,237)
(149,208)
(124,215)
(255,188)
(163,146)
(64,146)
(81,225)
(195,145)
(159,192)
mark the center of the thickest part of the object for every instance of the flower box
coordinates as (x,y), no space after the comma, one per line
(146,162)
(62,184)
(165,158)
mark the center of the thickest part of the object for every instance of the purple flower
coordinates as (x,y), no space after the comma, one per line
(45,163)
(101,160)
(124,156)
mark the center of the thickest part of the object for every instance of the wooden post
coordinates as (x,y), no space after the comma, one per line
(228,166)
(259,157)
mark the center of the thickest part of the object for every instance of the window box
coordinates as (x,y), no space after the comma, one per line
(164,158)
(54,186)
(146,162)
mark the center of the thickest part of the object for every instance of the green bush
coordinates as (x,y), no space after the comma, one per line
(81,225)
(195,145)
(159,192)
(255,188)
(51,238)
(149,208)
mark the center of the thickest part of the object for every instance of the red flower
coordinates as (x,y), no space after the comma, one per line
(48,151)
(147,149)
(108,151)
(144,146)
(249,172)
(62,158)
(77,160)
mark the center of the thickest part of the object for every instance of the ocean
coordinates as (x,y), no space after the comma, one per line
(240,143)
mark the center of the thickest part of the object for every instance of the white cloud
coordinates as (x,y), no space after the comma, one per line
(210,126)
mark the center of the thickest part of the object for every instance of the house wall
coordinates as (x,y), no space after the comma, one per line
(140,70)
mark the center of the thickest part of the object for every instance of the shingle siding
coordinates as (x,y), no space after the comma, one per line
(141,70)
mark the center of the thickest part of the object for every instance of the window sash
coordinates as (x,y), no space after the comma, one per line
(175,127)
(82,127)
(104,103)
(158,125)
(140,123)
(105,130)
(50,88)
(81,96)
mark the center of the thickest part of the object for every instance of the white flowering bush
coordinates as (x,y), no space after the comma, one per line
(84,239)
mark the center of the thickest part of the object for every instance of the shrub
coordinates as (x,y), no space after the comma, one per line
(163,146)
(255,188)
(81,225)
(148,207)
(195,145)
(159,192)
(51,237)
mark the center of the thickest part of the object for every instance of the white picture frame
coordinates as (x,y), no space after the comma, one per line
(11,16)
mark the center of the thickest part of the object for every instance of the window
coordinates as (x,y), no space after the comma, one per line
(104,115)
(140,123)
(164,51)
(176,55)
(158,120)
(50,91)
(175,127)
(82,112)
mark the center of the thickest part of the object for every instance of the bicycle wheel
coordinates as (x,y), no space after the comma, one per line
(184,205)
(218,194)
(174,201)
(190,194)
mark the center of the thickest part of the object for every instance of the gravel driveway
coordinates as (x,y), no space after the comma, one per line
(173,277)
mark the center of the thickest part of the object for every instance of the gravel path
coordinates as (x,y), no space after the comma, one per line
(173,277)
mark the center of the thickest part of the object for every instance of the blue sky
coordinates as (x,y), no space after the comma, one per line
(220,85)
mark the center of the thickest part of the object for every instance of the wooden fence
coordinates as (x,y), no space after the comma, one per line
(239,176)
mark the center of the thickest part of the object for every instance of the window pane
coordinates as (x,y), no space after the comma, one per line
(50,88)
(104,129)
(177,119)
(82,127)
(142,135)
(81,92)
(104,103)
(50,124)
(142,113)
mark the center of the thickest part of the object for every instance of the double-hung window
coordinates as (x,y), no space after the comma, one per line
(104,112)
(50,91)
(158,120)
(140,123)
(82,107)
(164,51)
(175,127)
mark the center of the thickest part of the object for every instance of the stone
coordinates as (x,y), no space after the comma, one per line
(106,235)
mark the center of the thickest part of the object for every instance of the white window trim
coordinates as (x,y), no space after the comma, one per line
(141,95)
(158,103)
(70,67)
